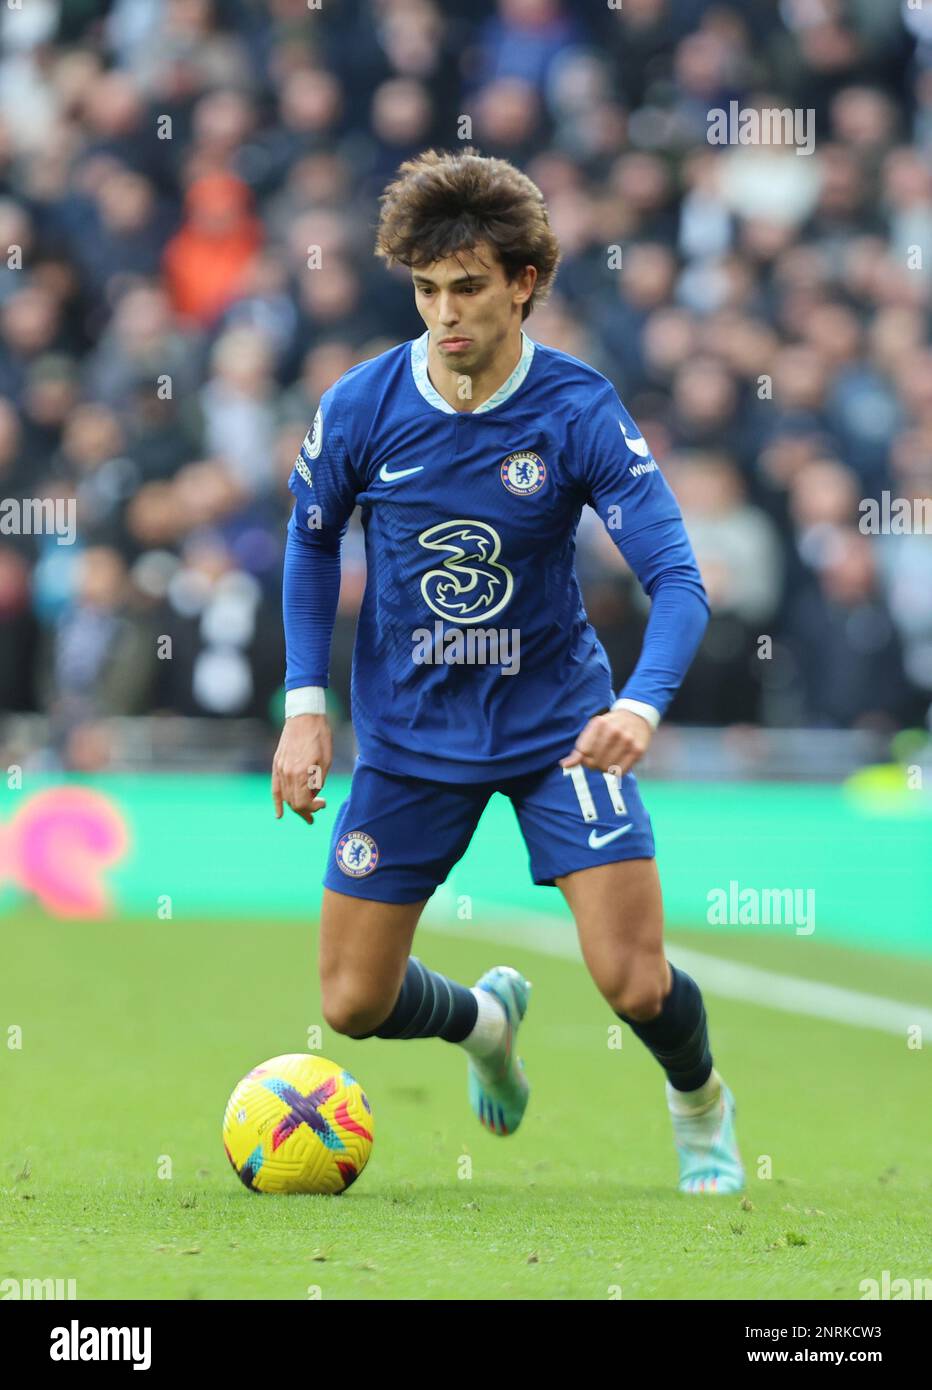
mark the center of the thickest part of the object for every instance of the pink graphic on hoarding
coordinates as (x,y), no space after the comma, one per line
(59,846)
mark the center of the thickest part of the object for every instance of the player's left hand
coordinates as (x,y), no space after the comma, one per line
(611,742)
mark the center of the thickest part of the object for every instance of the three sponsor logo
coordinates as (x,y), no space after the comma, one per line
(468,584)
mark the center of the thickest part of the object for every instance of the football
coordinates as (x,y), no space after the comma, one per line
(298,1123)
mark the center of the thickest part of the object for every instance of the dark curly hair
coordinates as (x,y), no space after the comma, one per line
(444,202)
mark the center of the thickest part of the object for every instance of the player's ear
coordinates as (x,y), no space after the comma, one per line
(525,282)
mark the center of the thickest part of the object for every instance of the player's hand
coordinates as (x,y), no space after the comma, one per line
(300,766)
(611,742)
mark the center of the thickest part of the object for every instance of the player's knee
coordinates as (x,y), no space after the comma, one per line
(353,1016)
(640,997)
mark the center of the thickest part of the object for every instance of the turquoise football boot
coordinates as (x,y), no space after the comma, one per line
(498,1087)
(707,1145)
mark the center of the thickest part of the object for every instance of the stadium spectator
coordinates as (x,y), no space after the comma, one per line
(187,198)
(207,261)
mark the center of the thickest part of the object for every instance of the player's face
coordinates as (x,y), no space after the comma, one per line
(469,307)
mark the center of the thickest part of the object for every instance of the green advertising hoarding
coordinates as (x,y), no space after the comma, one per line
(856,860)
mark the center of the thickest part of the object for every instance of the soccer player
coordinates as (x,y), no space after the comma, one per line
(471,452)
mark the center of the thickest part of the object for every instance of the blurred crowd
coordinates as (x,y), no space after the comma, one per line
(188,194)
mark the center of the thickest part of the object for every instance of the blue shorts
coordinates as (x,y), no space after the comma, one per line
(397,838)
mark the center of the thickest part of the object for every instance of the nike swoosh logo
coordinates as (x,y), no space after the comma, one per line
(637,445)
(389,477)
(596,841)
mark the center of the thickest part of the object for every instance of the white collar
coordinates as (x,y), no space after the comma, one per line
(423,382)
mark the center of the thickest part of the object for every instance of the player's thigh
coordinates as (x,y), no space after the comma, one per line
(394,840)
(590,834)
(618,910)
(363,954)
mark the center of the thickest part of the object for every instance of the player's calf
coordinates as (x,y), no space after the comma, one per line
(428,1005)
(678,1034)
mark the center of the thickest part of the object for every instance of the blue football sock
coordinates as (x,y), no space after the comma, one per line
(429,1006)
(678,1037)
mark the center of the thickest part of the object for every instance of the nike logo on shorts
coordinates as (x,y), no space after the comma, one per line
(596,841)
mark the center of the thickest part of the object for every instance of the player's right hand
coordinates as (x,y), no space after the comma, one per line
(300,766)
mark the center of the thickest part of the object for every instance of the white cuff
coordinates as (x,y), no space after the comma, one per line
(307,699)
(638,707)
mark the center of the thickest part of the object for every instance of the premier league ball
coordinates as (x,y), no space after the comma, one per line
(298,1123)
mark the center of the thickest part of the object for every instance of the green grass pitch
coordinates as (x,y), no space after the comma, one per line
(134,1033)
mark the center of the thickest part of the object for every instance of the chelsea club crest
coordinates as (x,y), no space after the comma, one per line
(357,853)
(524,473)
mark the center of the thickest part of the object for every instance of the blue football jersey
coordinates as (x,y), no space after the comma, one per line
(474,657)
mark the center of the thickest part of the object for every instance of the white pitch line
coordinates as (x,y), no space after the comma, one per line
(729,979)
